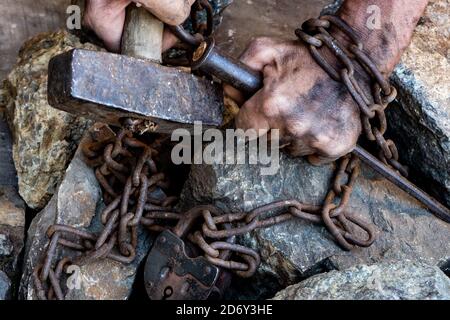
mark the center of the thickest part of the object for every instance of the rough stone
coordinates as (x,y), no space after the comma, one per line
(8,175)
(12,235)
(6,247)
(78,203)
(44,139)
(5,286)
(421,124)
(386,281)
(12,208)
(296,250)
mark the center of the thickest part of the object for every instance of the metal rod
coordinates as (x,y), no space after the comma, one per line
(210,60)
(185,36)
(432,204)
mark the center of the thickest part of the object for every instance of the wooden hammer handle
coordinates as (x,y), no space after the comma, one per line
(143,34)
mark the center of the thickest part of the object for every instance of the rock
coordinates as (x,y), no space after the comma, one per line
(385,281)
(296,250)
(12,237)
(44,139)
(421,124)
(6,247)
(8,175)
(78,203)
(5,286)
(12,208)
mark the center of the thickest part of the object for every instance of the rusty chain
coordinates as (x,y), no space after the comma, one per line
(205,29)
(134,191)
(315,33)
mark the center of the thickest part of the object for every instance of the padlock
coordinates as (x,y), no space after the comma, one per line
(170,274)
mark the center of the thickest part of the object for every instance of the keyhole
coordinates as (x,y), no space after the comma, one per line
(168,292)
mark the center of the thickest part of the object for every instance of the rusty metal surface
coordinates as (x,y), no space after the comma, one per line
(109,88)
(170,274)
(135,194)
(193,246)
(210,60)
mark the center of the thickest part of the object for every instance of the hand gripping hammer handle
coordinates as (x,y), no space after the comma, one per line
(210,60)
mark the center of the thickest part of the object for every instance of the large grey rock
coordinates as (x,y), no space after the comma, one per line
(12,235)
(78,203)
(5,286)
(421,125)
(295,250)
(386,281)
(44,139)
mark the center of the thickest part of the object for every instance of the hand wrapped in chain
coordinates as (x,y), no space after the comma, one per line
(316,114)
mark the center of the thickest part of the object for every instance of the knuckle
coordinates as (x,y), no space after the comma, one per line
(174,13)
(267,107)
(331,148)
(270,105)
(259,43)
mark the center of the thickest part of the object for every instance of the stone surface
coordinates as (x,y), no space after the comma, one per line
(12,208)
(245,20)
(6,247)
(387,281)
(78,203)
(8,176)
(5,286)
(421,125)
(12,236)
(44,139)
(23,19)
(296,250)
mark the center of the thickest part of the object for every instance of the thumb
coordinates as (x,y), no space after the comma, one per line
(251,117)
(173,12)
(260,53)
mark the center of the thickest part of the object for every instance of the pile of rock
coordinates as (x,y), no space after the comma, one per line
(407,261)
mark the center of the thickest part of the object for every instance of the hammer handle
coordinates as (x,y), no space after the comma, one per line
(143,34)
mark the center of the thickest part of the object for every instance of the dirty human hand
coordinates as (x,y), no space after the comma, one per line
(107,18)
(316,115)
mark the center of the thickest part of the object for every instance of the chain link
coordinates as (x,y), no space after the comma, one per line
(315,33)
(126,170)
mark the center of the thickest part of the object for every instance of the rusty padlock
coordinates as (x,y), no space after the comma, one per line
(170,274)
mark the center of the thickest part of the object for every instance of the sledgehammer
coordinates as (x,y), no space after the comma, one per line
(112,88)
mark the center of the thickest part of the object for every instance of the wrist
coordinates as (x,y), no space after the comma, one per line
(384,27)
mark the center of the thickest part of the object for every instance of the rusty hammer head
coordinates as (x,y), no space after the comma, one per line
(112,88)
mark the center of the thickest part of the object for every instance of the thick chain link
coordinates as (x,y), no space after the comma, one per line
(315,33)
(127,172)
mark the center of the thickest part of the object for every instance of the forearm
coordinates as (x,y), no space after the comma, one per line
(385,41)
